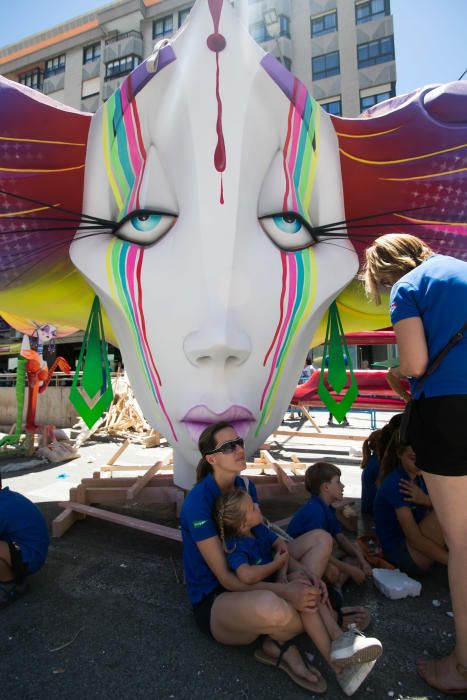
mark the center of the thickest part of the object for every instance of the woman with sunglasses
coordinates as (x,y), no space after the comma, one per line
(225,608)
(428,307)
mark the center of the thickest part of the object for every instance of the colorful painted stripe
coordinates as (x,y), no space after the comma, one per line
(124,267)
(125,161)
(298,268)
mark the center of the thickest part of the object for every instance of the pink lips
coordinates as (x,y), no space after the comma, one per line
(199,417)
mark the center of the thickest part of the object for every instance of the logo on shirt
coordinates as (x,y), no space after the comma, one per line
(260,561)
(392,307)
(199,523)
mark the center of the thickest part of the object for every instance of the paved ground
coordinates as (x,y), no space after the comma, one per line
(108,616)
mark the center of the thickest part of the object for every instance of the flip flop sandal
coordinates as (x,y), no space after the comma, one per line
(319,686)
(431,677)
(348,618)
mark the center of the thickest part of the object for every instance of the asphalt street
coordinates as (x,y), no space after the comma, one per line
(108,616)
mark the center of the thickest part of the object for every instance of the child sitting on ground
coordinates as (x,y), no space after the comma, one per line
(407,527)
(370,470)
(322,481)
(24,541)
(257,554)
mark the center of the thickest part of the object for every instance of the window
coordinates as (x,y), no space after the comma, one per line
(182,15)
(162,27)
(91,53)
(324,24)
(90,87)
(326,65)
(121,66)
(332,107)
(374,52)
(369,100)
(259,32)
(372,9)
(33,79)
(284,23)
(54,65)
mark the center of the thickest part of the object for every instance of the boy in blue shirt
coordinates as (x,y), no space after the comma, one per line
(322,481)
(24,541)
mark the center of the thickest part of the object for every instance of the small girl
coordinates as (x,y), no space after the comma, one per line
(256,554)
(407,527)
(370,470)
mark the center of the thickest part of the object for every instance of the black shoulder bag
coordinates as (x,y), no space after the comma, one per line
(406,430)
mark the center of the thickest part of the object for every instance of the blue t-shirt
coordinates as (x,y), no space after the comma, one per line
(22,522)
(251,550)
(369,476)
(315,514)
(198,524)
(436,292)
(388,499)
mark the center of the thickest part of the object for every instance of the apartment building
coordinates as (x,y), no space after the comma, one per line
(343,50)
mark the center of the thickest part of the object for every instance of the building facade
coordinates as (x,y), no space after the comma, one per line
(343,50)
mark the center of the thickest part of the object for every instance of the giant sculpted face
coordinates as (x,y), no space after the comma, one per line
(217,167)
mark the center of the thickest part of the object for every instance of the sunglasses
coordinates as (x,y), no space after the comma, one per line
(228,447)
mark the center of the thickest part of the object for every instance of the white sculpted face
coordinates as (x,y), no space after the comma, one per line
(213,276)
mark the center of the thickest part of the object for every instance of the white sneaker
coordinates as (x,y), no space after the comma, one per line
(354,648)
(351,678)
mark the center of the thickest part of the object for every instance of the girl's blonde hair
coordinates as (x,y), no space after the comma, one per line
(229,514)
(392,253)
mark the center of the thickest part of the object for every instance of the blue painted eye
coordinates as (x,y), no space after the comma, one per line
(288,230)
(145,222)
(287,223)
(144,227)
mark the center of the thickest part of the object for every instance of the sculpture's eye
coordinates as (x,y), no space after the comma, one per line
(288,230)
(145,226)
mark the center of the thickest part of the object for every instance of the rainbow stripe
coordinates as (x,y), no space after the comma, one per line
(299,268)
(125,160)
(124,266)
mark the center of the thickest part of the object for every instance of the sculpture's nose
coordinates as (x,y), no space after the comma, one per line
(217,343)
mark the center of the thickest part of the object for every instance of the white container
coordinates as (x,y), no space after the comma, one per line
(395,584)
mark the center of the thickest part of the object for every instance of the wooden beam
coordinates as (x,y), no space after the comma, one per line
(282,476)
(311,419)
(326,436)
(127,521)
(63,522)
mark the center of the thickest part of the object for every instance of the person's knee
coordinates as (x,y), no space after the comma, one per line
(322,540)
(273,611)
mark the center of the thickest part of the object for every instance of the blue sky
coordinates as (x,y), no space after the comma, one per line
(430,35)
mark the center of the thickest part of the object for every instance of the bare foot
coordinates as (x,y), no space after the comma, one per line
(294,659)
(442,674)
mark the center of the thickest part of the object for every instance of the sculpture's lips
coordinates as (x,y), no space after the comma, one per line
(199,417)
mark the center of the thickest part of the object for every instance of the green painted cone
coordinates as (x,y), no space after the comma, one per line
(335,348)
(93,395)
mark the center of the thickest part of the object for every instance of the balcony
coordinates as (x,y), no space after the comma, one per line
(128,44)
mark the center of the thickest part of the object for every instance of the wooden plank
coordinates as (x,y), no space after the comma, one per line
(282,476)
(63,522)
(326,436)
(135,523)
(119,452)
(311,419)
(141,481)
(150,494)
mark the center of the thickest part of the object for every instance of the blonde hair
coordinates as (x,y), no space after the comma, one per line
(229,514)
(392,253)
